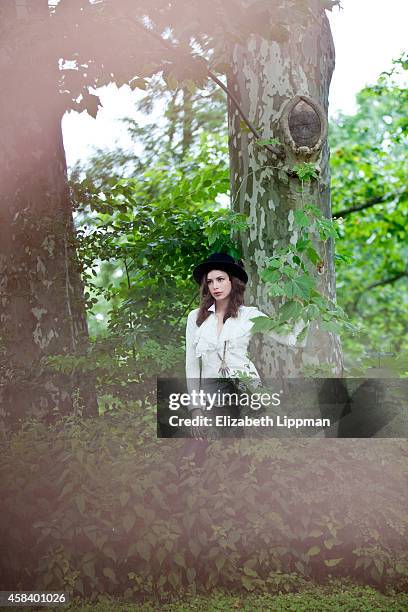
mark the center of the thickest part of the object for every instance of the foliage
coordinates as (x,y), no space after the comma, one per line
(268,141)
(305,171)
(192,186)
(292,273)
(157,225)
(368,161)
(116,374)
(103,506)
(138,239)
(188,114)
(181,40)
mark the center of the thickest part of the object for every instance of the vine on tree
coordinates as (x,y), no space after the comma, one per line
(291,272)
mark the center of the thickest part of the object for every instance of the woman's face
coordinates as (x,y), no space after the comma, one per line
(219,284)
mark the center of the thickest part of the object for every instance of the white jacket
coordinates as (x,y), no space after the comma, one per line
(234,337)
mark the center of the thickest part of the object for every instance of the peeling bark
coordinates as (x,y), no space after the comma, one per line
(41,294)
(265,76)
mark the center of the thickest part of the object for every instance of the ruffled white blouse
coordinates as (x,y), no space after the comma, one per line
(231,345)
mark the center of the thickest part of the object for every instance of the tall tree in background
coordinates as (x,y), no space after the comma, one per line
(282,83)
(41,307)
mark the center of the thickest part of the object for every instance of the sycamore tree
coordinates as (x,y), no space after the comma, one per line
(42,308)
(278,58)
(281,181)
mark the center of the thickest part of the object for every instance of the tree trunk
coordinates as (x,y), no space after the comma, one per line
(187,122)
(42,308)
(266,77)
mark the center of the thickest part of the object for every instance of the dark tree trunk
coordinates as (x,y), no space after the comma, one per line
(42,308)
(266,76)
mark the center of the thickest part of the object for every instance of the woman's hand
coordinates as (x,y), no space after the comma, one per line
(197,431)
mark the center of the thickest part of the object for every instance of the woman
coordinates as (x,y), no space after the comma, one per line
(219,331)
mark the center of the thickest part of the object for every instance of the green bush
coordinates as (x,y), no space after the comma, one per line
(103,506)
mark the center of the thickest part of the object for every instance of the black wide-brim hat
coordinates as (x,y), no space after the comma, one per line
(220,261)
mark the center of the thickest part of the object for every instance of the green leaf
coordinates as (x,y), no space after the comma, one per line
(80,502)
(109,552)
(249,571)
(300,567)
(344,258)
(301,219)
(138,84)
(333,562)
(191,86)
(314,210)
(124,498)
(143,548)
(247,583)
(179,559)
(67,489)
(331,326)
(274,263)
(302,244)
(327,228)
(290,310)
(300,286)
(315,533)
(128,521)
(289,271)
(174,580)
(314,550)
(161,555)
(243,126)
(312,312)
(268,141)
(262,324)
(312,255)
(171,81)
(276,290)
(89,569)
(305,171)
(375,575)
(109,573)
(270,276)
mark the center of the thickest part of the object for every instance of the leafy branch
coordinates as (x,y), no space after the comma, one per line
(291,274)
(402,194)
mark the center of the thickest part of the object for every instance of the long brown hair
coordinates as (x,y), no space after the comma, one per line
(236,299)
